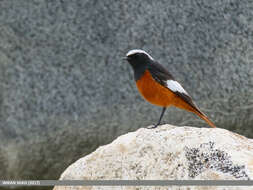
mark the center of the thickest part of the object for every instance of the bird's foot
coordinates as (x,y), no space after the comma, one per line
(156,125)
(153,126)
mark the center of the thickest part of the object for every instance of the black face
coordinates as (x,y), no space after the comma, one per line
(139,62)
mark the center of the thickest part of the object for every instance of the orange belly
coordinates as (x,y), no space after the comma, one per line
(155,93)
(158,95)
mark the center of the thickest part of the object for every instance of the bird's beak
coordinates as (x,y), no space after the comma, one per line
(124,58)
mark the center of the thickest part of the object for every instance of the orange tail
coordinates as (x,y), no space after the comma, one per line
(193,108)
(205,118)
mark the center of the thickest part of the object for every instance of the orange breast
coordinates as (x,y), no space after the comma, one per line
(153,92)
(158,95)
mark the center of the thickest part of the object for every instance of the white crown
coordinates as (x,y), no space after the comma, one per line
(134,51)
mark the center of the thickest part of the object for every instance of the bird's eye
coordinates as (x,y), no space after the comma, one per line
(131,56)
(135,55)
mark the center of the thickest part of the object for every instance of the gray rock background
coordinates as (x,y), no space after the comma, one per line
(64,89)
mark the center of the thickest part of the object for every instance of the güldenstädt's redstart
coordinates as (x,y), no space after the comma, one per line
(158,86)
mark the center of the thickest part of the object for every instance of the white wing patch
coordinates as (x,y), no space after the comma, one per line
(134,51)
(175,86)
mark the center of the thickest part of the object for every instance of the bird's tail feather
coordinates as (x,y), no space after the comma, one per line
(186,103)
(193,108)
(205,118)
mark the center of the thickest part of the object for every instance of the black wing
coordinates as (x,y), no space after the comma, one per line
(161,75)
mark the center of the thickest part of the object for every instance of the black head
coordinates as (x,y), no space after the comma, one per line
(138,58)
(139,61)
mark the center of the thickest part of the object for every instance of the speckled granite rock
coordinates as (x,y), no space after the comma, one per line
(64,89)
(168,152)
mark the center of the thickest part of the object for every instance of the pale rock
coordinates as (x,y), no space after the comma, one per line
(168,153)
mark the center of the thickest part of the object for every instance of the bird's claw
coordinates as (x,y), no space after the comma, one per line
(156,125)
(153,126)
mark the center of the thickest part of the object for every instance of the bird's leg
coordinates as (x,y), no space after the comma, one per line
(158,123)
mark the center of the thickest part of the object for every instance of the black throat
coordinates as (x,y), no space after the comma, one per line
(139,70)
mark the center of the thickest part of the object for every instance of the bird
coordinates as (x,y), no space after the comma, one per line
(157,85)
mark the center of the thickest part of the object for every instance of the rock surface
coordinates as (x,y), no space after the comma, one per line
(62,77)
(168,152)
